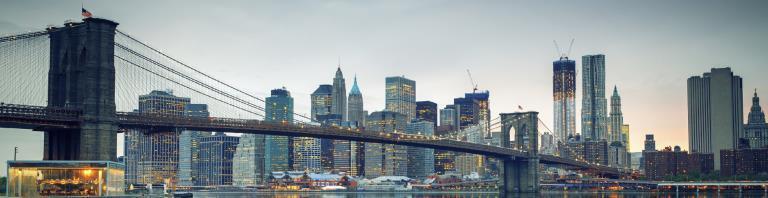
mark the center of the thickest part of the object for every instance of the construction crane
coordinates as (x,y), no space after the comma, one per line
(560,53)
(474,85)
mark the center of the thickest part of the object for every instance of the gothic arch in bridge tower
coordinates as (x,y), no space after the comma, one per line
(521,175)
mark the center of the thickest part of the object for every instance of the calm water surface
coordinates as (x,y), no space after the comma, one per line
(476,195)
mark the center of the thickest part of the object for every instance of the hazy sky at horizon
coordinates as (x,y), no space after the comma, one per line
(651,48)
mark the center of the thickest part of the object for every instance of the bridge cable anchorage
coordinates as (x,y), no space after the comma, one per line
(145,69)
(201,73)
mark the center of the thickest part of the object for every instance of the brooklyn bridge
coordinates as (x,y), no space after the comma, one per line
(78,83)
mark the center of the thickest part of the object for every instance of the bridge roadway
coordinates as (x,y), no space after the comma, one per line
(40,118)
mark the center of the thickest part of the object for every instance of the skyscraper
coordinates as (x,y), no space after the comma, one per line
(248,163)
(421,161)
(216,156)
(385,159)
(449,116)
(617,118)
(339,95)
(427,111)
(715,112)
(189,146)
(756,130)
(593,102)
(650,143)
(355,113)
(483,108)
(564,94)
(401,96)
(278,150)
(468,110)
(152,157)
(322,101)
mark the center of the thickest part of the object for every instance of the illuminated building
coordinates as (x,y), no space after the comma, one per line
(216,160)
(564,94)
(152,157)
(444,160)
(65,178)
(427,111)
(278,150)
(468,110)
(421,161)
(189,146)
(593,103)
(400,96)
(483,108)
(468,163)
(744,162)
(385,159)
(356,116)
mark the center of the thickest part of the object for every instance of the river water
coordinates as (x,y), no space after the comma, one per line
(755,194)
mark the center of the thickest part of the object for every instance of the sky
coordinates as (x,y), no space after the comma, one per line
(651,48)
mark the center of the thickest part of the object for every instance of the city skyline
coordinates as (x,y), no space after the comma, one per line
(643,92)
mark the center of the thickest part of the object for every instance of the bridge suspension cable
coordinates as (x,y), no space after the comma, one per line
(196,71)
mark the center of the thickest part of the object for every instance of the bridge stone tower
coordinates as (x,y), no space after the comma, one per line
(521,175)
(82,76)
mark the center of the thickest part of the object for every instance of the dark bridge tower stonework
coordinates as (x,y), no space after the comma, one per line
(521,175)
(82,76)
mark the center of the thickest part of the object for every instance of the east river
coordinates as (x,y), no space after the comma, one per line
(750,194)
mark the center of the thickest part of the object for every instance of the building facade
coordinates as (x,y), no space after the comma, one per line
(152,157)
(449,116)
(278,150)
(427,111)
(421,161)
(216,159)
(744,162)
(189,146)
(468,110)
(385,159)
(356,108)
(756,130)
(715,118)
(564,94)
(400,96)
(248,162)
(593,103)
(660,165)
(482,98)
(339,95)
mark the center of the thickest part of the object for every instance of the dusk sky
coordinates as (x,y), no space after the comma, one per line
(651,48)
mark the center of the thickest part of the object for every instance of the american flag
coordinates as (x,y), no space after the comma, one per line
(85,13)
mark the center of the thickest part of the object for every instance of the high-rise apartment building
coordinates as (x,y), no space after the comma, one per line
(756,130)
(593,102)
(216,156)
(152,157)
(564,94)
(339,95)
(385,159)
(400,96)
(715,112)
(248,162)
(278,150)
(421,161)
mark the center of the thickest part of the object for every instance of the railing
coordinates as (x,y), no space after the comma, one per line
(39,112)
(224,124)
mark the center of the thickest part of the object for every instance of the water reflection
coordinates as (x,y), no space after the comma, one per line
(482,195)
